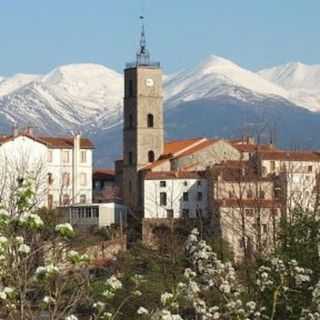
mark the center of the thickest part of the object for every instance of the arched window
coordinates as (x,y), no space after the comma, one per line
(151,156)
(150,120)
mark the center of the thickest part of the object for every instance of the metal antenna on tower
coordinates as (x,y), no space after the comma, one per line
(143,55)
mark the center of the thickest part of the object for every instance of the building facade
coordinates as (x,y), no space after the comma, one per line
(60,166)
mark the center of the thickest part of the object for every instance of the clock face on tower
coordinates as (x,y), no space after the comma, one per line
(149,82)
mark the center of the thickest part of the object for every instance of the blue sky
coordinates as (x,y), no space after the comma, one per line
(37,35)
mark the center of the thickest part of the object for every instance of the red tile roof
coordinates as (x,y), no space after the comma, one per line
(290,155)
(239,171)
(248,147)
(202,145)
(175,146)
(103,174)
(52,142)
(175,175)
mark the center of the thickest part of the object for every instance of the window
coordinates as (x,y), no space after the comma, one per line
(83,198)
(163,184)
(185,196)
(262,194)
(130,88)
(163,198)
(130,186)
(199,212)
(185,213)
(130,121)
(95,212)
(170,214)
(151,156)
(249,212)
(277,193)
(185,183)
(199,183)
(273,166)
(264,171)
(232,194)
(20,181)
(65,156)
(83,156)
(309,168)
(199,196)
(66,179)
(130,157)
(50,201)
(49,155)
(264,228)
(88,212)
(241,243)
(66,200)
(50,179)
(150,120)
(97,185)
(83,179)
(249,194)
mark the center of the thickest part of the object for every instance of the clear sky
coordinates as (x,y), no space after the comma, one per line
(37,35)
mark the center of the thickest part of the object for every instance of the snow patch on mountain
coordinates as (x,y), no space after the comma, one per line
(217,77)
(8,85)
(68,98)
(300,80)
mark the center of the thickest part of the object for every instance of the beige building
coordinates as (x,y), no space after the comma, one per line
(246,208)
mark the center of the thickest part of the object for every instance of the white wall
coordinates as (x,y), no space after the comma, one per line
(175,189)
(23,156)
(58,168)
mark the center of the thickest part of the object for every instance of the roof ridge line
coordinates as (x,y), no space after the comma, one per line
(196,143)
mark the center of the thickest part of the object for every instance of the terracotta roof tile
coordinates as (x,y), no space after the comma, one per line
(175,175)
(197,148)
(290,155)
(53,142)
(248,147)
(103,173)
(175,146)
(66,142)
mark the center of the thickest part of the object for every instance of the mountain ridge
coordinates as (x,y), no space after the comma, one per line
(88,98)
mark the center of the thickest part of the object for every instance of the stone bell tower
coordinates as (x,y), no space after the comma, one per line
(143,132)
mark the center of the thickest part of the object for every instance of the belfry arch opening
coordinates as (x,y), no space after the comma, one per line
(150,156)
(150,120)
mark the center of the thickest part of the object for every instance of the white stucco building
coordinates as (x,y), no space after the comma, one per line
(97,215)
(175,195)
(61,167)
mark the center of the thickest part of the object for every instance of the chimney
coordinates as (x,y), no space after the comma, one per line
(75,167)
(250,140)
(15,131)
(29,131)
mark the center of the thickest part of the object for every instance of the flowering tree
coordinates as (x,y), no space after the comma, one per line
(212,289)
(38,272)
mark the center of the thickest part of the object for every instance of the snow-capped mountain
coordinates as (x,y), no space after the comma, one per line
(301,81)
(15,82)
(68,98)
(212,98)
(219,77)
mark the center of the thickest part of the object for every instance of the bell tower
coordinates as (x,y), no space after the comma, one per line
(143,130)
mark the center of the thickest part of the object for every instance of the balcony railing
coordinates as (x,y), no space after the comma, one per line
(151,64)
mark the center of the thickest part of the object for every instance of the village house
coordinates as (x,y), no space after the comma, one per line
(60,166)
